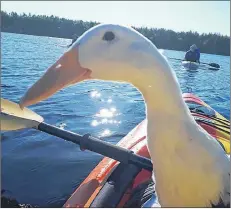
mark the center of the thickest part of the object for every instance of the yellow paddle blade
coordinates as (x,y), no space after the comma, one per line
(14,118)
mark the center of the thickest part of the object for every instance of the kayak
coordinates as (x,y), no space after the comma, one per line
(114,184)
(190,65)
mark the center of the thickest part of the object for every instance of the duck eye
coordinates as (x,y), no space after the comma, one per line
(109,36)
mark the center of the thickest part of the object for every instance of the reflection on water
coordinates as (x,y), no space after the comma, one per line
(109,100)
(104,121)
(107,113)
(105,118)
(188,78)
(105,133)
(95,94)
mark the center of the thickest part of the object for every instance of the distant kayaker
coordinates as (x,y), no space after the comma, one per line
(193,54)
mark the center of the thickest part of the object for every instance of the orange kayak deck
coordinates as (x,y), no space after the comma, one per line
(135,140)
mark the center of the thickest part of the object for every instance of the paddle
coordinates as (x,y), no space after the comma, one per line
(14,118)
(214,65)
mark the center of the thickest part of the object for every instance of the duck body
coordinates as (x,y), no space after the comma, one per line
(183,167)
(179,148)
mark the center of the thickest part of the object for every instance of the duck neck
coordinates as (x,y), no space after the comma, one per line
(163,97)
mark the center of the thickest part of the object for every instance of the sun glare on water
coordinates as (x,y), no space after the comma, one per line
(105,116)
(106,132)
(95,94)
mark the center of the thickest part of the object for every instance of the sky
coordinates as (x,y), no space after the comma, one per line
(200,16)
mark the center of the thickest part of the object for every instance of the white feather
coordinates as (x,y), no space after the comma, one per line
(190,167)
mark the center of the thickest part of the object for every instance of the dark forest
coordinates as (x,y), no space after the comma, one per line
(41,25)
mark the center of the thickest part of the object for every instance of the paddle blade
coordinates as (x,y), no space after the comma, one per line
(14,118)
(215,65)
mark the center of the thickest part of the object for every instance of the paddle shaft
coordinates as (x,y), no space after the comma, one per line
(210,64)
(101,147)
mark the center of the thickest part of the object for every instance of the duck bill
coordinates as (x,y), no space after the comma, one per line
(64,72)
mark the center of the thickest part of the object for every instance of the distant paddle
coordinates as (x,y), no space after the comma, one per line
(73,40)
(14,118)
(214,65)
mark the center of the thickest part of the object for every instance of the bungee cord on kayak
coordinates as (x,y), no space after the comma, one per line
(181,179)
(224,122)
(197,109)
(225,125)
(215,126)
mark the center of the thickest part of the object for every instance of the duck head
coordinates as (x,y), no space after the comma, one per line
(105,52)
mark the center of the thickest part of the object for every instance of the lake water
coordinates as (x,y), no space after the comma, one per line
(43,170)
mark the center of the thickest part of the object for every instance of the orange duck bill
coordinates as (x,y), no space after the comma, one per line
(64,72)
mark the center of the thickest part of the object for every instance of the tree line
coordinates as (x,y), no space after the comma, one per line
(42,25)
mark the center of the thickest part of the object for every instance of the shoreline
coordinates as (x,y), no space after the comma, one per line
(51,26)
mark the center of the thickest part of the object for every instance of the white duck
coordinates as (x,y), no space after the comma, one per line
(190,167)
